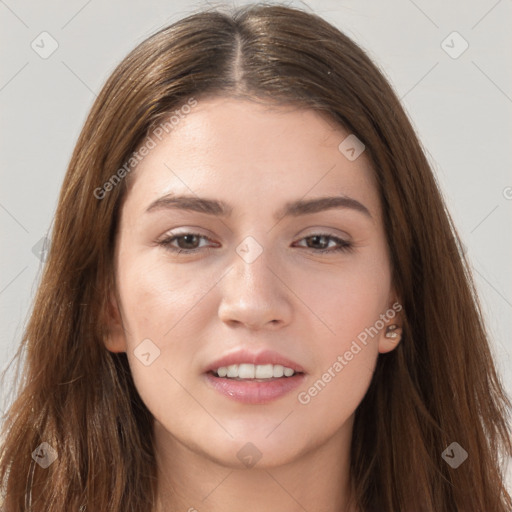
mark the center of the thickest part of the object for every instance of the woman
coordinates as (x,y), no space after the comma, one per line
(254,297)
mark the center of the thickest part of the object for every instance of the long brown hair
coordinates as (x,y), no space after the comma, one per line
(437,387)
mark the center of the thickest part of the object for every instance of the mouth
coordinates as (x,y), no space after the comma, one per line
(254,384)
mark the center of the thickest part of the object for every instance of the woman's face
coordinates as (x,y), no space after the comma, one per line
(256,281)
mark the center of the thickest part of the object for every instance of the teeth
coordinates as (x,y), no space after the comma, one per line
(288,372)
(278,370)
(252,371)
(246,371)
(264,371)
(232,371)
(222,371)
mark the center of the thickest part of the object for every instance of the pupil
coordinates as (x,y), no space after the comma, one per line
(317,238)
(188,238)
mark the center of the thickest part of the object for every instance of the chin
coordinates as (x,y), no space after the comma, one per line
(254,451)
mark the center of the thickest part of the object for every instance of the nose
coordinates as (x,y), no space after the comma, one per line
(255,294)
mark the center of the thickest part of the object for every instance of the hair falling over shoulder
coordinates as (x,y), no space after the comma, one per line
(77,406)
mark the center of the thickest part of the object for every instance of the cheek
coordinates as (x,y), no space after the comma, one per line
(157,305)
(348,305)
(347,300)
(345,352)
(157,296)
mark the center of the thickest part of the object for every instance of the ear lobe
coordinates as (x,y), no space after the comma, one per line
(115,340)
(390,338)
(391,334)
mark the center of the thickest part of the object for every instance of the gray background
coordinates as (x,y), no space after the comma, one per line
(461,108)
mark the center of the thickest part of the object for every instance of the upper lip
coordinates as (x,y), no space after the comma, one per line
(245,356)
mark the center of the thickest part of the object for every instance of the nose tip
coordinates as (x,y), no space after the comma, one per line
(255,313)
(253,296)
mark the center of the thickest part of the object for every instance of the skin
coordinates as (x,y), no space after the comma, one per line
(305,305)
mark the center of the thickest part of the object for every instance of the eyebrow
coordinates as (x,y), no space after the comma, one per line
(292,208)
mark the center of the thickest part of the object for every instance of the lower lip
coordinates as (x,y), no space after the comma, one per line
(254,392)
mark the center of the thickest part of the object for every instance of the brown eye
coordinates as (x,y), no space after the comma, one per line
(189,241)
(320,243)
(184,243)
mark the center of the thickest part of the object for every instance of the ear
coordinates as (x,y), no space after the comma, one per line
(393,319)
(115,339)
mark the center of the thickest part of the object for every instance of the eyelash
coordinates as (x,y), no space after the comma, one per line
(344,246)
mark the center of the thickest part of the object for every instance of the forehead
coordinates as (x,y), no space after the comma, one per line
(251,155)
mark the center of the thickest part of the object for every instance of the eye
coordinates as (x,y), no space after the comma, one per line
(323,240)
(187,242)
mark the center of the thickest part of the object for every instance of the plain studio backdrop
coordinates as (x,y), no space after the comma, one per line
(448,62)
